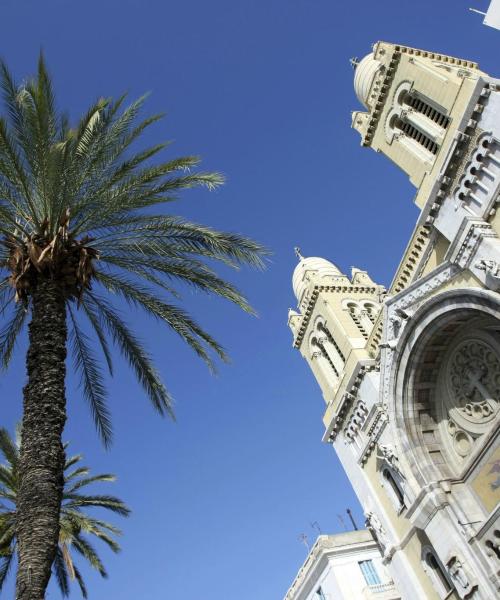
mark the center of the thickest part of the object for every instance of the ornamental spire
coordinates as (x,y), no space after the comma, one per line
(298,254)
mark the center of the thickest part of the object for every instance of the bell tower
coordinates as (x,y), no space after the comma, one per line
(415,102)
(335,317)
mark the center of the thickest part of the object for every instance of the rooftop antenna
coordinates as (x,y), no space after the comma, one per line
(305,540)
(341,519)
(352,519)
(315,525)
(354,62)
(297,253)
(479,12)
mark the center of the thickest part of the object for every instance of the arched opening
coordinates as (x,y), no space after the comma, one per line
(446,384)
(355,313)
(371,311)
(436,572)
(393,485)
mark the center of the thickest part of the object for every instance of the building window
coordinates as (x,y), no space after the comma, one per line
(355,313)
(415,134)
(369,572)
(436,572)
(427,110)
(320,594)
(392,483)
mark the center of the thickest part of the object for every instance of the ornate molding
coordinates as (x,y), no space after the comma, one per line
(399,311)
(377,426)
(309,307)
(346,404)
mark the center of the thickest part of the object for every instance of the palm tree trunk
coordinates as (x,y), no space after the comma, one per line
(42,454)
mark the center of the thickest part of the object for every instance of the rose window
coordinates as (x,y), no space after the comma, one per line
(470,390)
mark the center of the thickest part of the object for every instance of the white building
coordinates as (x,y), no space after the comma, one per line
(411,376)
(345,566)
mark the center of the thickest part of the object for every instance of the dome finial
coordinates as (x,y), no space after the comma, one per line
(298,254)
(354,62)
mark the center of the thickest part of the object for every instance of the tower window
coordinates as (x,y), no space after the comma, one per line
(356,317)
(369,573)
(371,312)
(326,331)
(320,345)
(427,110)
(394,488)
(436,572)
(415,134)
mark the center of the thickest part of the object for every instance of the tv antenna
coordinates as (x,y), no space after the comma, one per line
(305,540)
(315,525)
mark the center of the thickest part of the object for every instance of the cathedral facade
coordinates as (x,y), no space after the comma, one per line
(411,375)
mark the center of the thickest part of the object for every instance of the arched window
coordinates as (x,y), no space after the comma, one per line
(371,311)
(392,483)
(331,348)
(325,375)
(436,572)
(355,312)
(417,102)
(320,344)
(402,125)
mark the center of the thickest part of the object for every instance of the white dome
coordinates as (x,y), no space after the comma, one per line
(321,268)
(363,77)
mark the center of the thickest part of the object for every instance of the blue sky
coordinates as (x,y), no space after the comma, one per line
(263,91)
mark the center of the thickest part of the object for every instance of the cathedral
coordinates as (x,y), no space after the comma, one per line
(410,375)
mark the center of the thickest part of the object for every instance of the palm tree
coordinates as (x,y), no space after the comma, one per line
(78,219)
(75,525)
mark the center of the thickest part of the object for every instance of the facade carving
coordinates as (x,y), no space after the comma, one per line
(413,392)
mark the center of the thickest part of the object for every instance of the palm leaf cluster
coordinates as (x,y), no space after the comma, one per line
(76,527)
(81,206)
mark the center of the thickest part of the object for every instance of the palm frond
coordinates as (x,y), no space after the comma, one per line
(5,565)
(91,380)
(173,316)
(9,450)
(109,502)
(79,472)
(136,355)
(86,549)
(61,573)
(72,460)
(81,582)
(93,318)
(84,481)
(75,524)
(10,332)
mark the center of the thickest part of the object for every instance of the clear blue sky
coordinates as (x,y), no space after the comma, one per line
(262,89)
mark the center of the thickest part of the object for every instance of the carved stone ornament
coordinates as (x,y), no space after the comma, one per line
(388,454)
(470,392)
(459,578)
(473,392)
(408,300)
(490,267)
(373,523)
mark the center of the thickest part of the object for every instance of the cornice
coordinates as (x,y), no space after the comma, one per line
(376,112)
(377,426)
(309,308)
(347,401)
